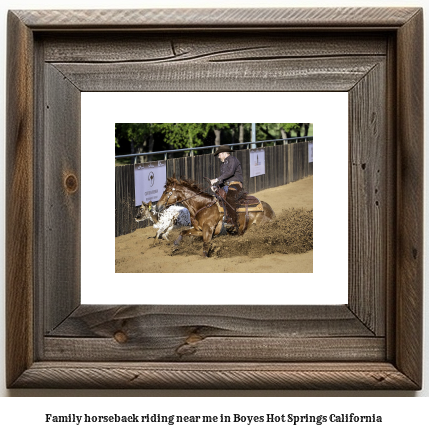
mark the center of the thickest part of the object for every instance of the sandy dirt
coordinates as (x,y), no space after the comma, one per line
(282,246)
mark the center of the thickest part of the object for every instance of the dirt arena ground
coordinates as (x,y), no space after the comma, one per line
(283,246)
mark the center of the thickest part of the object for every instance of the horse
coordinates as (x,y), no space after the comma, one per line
(207,213)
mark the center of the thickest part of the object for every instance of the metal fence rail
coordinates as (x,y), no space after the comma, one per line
(284,163)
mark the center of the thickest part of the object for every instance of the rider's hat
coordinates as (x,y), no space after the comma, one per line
(223,149)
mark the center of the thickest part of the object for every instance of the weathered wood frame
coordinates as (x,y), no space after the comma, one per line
(374,342)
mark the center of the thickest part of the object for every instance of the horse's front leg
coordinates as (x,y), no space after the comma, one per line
(242,225)
(208,230)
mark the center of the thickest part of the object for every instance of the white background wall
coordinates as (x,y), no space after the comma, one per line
(20,402)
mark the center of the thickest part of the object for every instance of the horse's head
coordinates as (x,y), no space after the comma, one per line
(171,195)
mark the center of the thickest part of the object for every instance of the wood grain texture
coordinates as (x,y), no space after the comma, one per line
(103,321)
(290,18)
(61,249)
(368,203)
(95,347)
(305,74)
(225,47)
(341,376)
(409,274)
(243,321)
(214,333)
(19,200)
(193,348)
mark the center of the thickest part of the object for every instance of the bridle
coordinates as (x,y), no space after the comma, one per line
(168,197)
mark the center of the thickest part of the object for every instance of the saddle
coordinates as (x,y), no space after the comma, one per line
(245,203)
(248,200)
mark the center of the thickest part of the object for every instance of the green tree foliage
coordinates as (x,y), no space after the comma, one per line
(116,136)
(217,129)
(188,135)
(276,130)
(137,134)
(141,136)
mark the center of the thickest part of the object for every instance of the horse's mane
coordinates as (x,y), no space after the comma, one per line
(188,183)
(191,184)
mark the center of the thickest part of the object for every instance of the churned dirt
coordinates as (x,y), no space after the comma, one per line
(284,245)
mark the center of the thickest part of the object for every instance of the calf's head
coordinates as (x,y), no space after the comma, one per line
(146,211)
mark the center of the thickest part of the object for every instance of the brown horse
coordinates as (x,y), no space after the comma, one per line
(207,213)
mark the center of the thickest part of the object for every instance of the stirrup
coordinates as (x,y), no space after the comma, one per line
(228,221)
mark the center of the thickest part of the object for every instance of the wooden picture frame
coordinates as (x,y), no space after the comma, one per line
(373,342)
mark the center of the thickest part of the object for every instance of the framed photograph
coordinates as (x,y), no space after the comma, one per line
(372,342)
(287,265)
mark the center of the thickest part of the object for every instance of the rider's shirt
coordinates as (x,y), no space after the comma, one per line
(230,170)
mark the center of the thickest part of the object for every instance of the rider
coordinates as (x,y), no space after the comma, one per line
(231,177)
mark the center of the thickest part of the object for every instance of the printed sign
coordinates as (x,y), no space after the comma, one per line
(257,162)
(310,151)
(149,181)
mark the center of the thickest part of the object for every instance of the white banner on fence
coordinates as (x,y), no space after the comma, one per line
(149,181)
(310,151)
(257,162)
